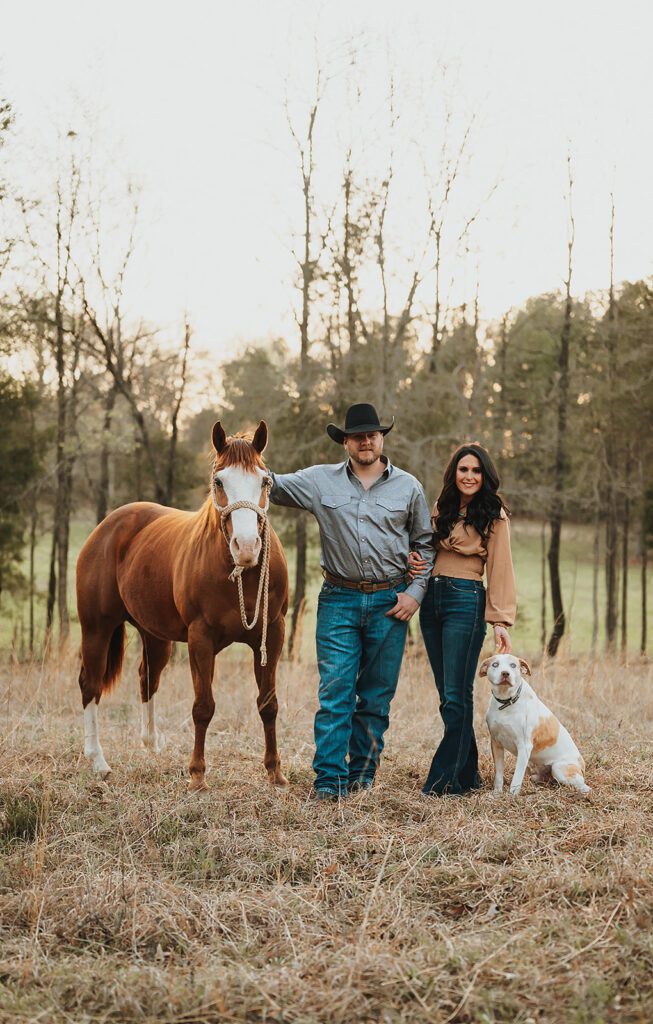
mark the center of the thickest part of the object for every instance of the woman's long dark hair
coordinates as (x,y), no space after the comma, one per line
(486,505)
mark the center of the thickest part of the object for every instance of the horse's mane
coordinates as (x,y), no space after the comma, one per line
(239,451)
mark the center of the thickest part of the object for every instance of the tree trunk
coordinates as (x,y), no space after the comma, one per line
(174,428)
(625,543)
(644,541)
(307,267)
(595,581)
(300,584)
(555,518)
(32,570)
(103,485)
(543,588)
(52,590)
(612,467)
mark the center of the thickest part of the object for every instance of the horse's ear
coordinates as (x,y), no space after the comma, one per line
(218,437)
(260,439)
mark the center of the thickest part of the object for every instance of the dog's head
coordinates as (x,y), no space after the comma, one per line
(504,672)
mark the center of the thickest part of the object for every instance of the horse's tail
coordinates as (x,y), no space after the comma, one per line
(115,654)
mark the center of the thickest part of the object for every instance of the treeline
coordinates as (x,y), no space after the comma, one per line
(92,403)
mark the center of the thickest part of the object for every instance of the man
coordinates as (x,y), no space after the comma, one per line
(370,515)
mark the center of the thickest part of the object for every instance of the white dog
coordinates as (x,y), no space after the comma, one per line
(519,722)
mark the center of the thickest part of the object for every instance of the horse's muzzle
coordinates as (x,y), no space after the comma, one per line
(245,552)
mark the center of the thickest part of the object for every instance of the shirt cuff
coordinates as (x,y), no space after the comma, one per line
(417,589)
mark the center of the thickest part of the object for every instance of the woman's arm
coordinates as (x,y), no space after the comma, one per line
(501,599)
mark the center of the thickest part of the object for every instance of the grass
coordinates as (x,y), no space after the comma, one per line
(132,900)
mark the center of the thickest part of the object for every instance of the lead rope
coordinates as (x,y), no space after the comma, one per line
(236,574)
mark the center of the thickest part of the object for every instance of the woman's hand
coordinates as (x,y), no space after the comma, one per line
(502,639)
(416,564)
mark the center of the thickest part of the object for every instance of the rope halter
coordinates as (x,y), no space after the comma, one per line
(236,574)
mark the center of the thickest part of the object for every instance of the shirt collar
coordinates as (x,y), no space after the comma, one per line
(384,475)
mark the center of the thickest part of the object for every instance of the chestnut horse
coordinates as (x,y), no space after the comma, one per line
(175,577)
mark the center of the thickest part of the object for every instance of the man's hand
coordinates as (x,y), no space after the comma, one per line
(405,607)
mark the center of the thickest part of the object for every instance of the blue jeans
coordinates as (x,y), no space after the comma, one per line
(359,652)
(453,626)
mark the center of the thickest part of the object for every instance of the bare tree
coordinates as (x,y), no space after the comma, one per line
(611,457)
(557,499)
(174,421)
(307,264)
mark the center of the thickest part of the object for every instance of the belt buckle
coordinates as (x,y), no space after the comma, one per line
(367,586)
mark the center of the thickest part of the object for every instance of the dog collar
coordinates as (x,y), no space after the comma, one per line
(511,700)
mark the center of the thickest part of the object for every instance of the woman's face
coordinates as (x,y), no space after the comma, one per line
(469,477)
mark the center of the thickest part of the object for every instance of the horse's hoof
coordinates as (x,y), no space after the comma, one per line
(197,785)
(102,772)
(278,779)
(155,745)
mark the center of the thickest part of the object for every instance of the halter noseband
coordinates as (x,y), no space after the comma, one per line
(236,574)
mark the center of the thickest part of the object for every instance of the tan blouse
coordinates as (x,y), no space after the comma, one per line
(464,555)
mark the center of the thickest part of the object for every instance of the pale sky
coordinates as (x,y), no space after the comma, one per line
(188,98)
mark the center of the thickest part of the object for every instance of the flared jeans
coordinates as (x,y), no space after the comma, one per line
(453,625)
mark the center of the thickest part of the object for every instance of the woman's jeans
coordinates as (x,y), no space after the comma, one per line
(452,621)
(359,652)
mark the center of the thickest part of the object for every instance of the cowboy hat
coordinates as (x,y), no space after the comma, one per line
(359,419)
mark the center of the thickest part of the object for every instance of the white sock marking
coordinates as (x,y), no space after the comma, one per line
(92,748)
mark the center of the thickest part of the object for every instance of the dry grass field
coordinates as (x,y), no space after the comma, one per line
(132,900)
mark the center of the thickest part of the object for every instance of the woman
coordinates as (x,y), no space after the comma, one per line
(470,533)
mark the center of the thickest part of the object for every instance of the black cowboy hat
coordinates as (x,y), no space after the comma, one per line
(359,419)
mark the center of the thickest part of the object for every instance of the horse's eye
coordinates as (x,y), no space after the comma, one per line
(267,481)
(218,483)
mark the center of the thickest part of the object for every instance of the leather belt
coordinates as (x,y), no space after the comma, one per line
(365,586)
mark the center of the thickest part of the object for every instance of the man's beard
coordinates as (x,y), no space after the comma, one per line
(372,457)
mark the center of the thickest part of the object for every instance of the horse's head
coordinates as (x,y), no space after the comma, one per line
(239,474)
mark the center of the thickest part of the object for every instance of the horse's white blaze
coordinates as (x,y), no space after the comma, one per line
(240,485)
(92,748)
(151,738)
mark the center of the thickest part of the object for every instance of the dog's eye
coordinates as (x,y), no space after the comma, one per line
(513,664)
(495,664)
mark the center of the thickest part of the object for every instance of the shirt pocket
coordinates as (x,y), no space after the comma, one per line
(392,511)
(333,510)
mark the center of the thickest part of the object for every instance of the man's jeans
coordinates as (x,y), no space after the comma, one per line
(452,621)
(359,654)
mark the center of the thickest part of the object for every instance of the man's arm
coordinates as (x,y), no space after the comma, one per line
(294,490)
(421,540)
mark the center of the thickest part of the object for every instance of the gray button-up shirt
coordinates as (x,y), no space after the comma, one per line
(364,534)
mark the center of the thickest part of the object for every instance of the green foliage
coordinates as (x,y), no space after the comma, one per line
(20,464)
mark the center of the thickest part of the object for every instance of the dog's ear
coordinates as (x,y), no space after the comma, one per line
(524,666)
(482,669)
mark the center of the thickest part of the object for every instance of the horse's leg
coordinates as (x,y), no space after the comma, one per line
(95,650)
(156,654)
(266,677)
(201,653)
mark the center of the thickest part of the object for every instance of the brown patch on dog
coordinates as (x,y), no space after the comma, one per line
(482,671)
(572,770)
(545,733)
